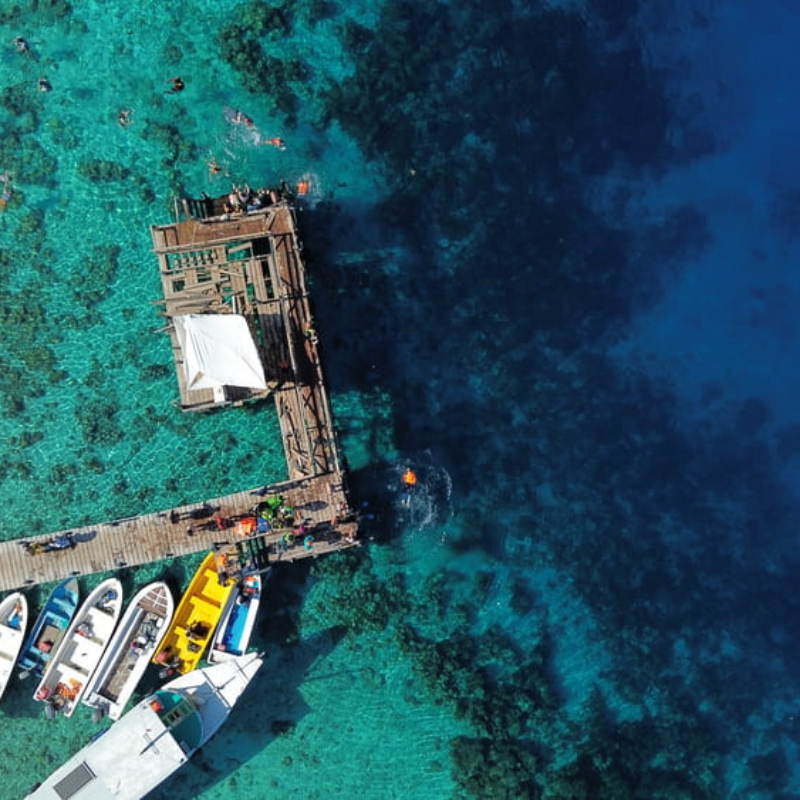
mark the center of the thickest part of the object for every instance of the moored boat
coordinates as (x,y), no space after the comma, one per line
(81,649)
(155,738)
(13,621)
(130,650)
(197,615)
(238,619)
(49,628)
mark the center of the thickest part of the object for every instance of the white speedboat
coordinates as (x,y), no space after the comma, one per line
(238,619)
(155,738)
(81,649)
(13,620)
(130,650)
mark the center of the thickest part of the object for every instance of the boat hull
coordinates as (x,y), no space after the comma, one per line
(238,620)
(155,738)
(13,621)
(196,618)
(81,649)
(130,650)
(49,628)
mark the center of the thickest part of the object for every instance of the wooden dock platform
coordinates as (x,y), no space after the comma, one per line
(133,541)
(249,264)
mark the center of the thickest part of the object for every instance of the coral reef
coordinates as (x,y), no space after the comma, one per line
(241,44)
(604,482)
(46,12)
(98,170)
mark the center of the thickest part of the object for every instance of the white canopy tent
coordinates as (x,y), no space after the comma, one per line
(218,350)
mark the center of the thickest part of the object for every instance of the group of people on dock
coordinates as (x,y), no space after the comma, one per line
(61,542)
(243,198)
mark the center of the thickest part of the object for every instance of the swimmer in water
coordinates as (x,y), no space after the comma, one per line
(45,85)
(276,141)
(22,45)
(213,167)
(409,481)
(177,85)
(124,118)
(236,117)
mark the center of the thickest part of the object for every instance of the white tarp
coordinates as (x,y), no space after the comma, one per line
(218,350)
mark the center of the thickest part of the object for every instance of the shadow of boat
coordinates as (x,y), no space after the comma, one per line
(269,710)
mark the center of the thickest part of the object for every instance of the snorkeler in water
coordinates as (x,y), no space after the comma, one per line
(124,117)
(22,45)
(45,85)
(236,117)
(5,179)
(409,482)
(177,85)
(213,166)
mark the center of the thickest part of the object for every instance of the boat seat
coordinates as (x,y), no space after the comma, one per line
(198,631)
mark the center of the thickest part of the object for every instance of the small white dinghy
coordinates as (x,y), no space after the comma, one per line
(238,619)
(81,649)
(121,668)
(13,621)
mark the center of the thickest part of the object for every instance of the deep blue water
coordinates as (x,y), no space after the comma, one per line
(553,252)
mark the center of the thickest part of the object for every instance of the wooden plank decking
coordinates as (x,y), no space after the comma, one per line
(252,265)
(132,541)
(249,265)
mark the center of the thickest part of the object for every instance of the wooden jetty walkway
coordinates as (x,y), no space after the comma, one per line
(245,264)
(132,541)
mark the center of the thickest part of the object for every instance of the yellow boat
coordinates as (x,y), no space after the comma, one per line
(197,616)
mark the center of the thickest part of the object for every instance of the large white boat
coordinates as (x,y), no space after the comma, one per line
(155,738)
(238,620)
(129,652)
(81,649)
(13,620)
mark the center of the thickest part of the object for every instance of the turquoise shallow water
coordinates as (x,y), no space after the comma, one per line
(552,251)
(88,428)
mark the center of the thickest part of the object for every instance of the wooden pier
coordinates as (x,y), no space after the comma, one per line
(163,535)
(249,265)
